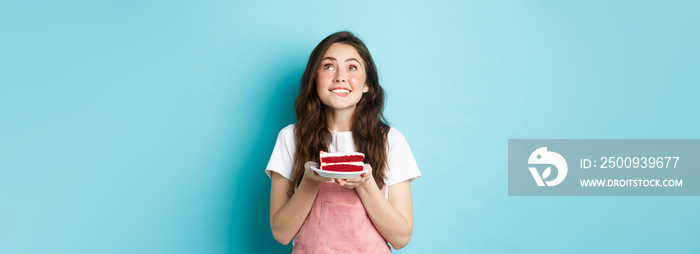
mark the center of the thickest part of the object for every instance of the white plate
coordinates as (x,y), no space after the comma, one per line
(336,174)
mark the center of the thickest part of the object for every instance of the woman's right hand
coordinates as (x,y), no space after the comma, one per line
(312,175)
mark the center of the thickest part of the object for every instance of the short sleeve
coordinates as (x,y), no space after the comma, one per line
(282,158)
(401,164)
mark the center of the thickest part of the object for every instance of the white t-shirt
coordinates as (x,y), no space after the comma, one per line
(401,164)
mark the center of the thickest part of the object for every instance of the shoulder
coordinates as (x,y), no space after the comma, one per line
(395,136)
(287,132)
(401,164)
(394,132)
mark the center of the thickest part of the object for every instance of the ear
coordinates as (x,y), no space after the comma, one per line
(365,89)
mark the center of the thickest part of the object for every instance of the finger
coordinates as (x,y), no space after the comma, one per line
(348,184)
(308,164)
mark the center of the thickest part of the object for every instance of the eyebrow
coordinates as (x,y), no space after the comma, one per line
(349,59)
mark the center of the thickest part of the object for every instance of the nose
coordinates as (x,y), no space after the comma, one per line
(339,77)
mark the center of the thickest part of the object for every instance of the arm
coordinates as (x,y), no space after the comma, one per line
(393,218)
(288,210)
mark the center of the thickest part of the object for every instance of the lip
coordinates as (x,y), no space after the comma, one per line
(341,94)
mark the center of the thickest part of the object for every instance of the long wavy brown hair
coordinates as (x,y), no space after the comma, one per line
(369,127)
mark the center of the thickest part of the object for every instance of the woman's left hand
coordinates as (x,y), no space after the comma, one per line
(357,181)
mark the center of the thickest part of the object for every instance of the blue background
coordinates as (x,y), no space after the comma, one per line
(145,126)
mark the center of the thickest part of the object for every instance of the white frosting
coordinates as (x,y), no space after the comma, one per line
(357,163)
(325,154)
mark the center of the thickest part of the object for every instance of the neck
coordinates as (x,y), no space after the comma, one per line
(340,119)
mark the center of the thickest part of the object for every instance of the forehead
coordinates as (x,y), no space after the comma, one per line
(341,52)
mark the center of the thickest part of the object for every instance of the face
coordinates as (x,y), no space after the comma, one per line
(341,79)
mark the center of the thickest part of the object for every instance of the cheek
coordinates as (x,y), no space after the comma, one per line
(322,81)
(320,87)
(324,76)
(357,81)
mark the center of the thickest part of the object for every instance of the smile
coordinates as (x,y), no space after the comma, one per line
(341,92)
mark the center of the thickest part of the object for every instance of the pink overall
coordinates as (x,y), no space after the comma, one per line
(338,223)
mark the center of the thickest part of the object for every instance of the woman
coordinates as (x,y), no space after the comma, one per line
(339,109)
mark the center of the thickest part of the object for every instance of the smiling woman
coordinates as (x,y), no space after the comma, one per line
(340,102)
(342,79)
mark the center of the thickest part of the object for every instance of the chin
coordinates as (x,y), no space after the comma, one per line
(341,106)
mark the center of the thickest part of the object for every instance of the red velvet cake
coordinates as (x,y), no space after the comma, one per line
(342,162)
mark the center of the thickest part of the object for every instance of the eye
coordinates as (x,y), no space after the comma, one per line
(352,68)
(328,67)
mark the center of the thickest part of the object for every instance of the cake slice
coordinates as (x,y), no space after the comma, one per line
(342,162)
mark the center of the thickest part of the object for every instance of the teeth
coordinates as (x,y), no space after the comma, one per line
(340,91)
